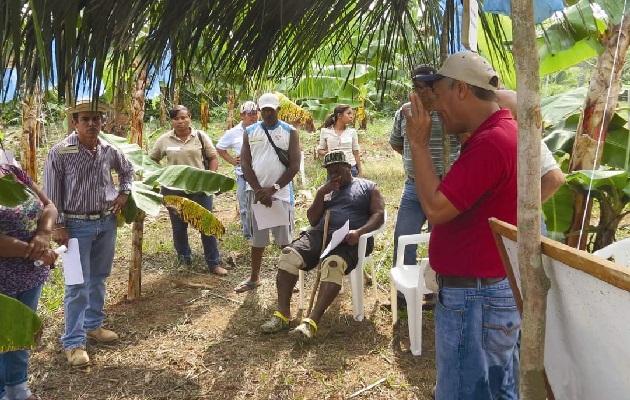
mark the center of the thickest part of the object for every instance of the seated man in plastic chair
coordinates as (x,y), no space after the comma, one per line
(350,199)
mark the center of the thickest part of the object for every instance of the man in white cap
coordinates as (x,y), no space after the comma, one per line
(477,324)
(270,158)
(78,180)
(233,139)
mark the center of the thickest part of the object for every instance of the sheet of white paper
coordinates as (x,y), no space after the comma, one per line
(268,217)
(71,261)
(337,237)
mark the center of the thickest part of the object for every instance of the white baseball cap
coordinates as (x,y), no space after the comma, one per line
(268,100)
(249,106)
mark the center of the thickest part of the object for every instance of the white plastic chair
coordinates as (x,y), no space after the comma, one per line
(620,251)
(409,280)
(356,276)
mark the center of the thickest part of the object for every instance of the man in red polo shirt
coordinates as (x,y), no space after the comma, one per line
(477,324)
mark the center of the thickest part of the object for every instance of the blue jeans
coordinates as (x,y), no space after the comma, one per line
(476,343)
(83,303)
(180,230)
(241,195)
(14,364)
(409,221)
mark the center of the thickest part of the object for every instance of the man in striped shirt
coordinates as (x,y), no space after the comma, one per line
(411,217)
(78,179)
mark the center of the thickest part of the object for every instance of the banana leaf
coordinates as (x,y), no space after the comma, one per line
(20,325)
(557,108)
(616,152)
(190,179)
(142,163)
(597,180)
(12,192)
(558,212)
(143,197)
(571,39)
(195,215)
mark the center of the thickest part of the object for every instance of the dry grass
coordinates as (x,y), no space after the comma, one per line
(191,336)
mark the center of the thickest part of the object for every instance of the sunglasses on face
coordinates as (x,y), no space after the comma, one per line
(251,112)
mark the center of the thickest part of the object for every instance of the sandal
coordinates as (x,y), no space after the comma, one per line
(276,323)
(246,286)
(306,330)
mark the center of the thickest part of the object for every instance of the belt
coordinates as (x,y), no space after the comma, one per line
(463,282)
(410,178)
(90,217)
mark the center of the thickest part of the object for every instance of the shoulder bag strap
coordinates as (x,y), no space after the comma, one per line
(204,159)
(270,140)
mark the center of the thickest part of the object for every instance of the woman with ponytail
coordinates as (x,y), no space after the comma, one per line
(338,134)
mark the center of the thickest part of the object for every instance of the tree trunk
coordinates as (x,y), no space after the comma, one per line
(229,119)
(534,282)
(134,285)
(137,111)
(137,233)
(599,108)
(205,114)
(610,215)
(444,40)
(163,93)
(31,110)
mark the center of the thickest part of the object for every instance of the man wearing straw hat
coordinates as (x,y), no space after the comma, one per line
(78,180)
(346,198)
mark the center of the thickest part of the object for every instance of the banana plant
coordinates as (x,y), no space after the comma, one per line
(144,193)
(609,185)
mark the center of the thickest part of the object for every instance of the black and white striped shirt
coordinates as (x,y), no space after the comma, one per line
(78,182)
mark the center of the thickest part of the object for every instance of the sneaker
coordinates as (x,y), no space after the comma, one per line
(276,323)
(103,335)
(306,330)
(77,357)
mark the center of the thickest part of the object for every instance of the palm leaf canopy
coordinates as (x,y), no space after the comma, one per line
(69,42)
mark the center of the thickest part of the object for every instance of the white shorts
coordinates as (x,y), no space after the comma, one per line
(282,235)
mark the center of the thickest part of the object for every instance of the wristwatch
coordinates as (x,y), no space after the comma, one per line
(127,192)
(276,186)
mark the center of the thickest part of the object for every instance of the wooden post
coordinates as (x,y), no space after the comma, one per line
(137,233)
(534,282)
(135,267)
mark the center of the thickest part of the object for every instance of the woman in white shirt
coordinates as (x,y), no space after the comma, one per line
(337,135)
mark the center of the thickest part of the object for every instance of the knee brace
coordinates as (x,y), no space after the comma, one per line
(290,260)
(333,269)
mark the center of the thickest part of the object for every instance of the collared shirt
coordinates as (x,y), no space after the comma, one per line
(482,184)
(347,141)
(398,138)
(78,182)
(179,152)
(233,139)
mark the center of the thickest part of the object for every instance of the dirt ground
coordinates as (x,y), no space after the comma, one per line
(190,336)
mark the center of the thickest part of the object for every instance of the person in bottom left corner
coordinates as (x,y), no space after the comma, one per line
(78,180)
(25,233)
